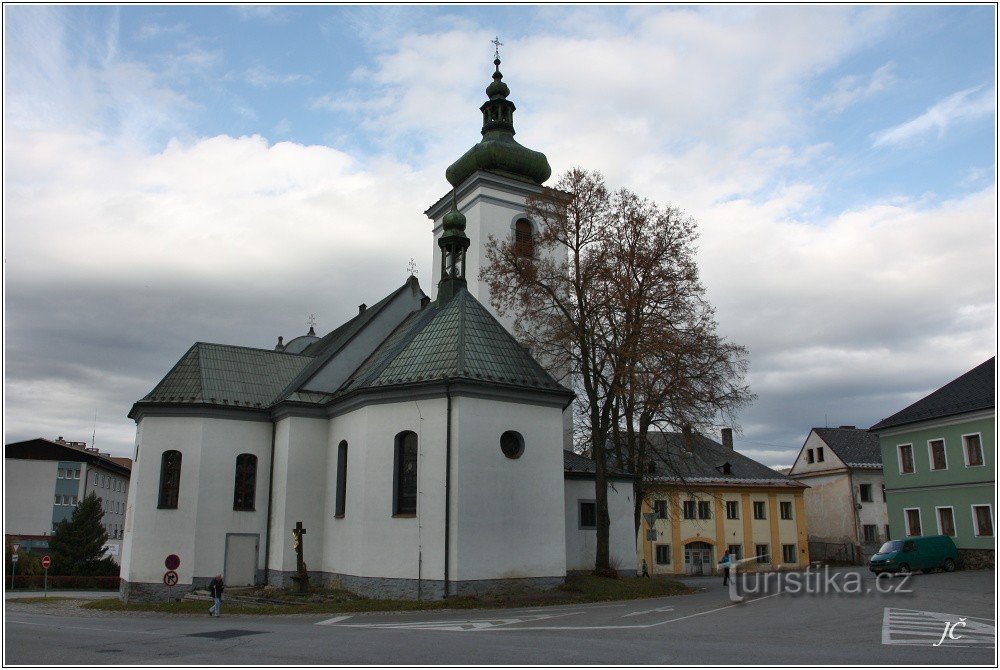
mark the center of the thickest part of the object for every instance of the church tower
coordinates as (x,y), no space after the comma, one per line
(490,184)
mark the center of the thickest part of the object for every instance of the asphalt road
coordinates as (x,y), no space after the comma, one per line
(769,627)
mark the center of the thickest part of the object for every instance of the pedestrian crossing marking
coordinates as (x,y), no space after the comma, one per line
(938,629)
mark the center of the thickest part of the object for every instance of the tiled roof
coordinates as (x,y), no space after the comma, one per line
(220,374)
(574,463)
(706,461)
(856,447)
(460,340)
(973,391)
(40,449)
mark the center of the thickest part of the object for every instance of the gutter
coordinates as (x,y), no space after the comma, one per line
(270,500)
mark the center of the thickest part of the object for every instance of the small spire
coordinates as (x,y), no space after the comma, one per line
(496,43)
(311,321)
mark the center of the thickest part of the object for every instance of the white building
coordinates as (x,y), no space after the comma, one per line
(418,444)
(45,480)
(845,502)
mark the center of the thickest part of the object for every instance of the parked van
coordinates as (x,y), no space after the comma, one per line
(924,552)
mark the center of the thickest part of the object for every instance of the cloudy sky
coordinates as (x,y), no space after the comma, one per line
(182,174)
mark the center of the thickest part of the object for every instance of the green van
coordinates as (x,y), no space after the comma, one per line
(924,552)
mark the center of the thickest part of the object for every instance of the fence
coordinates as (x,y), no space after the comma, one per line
(66,582)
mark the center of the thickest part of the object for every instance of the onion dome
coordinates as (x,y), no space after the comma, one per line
(498,151)
(454,221)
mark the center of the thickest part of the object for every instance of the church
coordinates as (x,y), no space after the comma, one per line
(418,447)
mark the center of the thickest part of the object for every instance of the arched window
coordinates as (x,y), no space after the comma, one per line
(170,479)
(404,474)
(524,238)
(341,478)
(246,482)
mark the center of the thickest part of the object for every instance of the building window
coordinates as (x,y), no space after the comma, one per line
(588,514)
(905,459)
(973,450)
(870,532)
(405,474)
(170,479)
(341,504)
(524,238)
(762,552)
(819,455)
(76,474)
(663,554)
(732,509)
(58,500)
(883,492)
(982,515)
(245,487)
(912,516)
(788,554)
(61,474)
(810,456)
(887,532)
(946,521)
(735,552)
(688,509)
(512,444)
(759,510)
(660,507)
(865,491)
(786,510)
(939,460)
(704,509)
(76,501)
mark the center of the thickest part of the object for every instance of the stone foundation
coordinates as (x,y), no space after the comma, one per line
(144,592)
(977,559)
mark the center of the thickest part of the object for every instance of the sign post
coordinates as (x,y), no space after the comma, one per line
(46,562)
(13,567)
(170,578)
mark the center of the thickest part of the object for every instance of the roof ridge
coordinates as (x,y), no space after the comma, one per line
(241,346)
(460,354)
(424,317)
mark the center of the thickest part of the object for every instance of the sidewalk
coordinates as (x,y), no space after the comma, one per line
(80,595)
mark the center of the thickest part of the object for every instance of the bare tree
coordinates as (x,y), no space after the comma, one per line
(610,294)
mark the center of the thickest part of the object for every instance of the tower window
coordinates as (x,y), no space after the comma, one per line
(405,474)
(524,238)
(246,482)
(341,503)
(170,479)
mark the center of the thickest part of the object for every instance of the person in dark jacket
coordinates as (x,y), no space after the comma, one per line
(215,588)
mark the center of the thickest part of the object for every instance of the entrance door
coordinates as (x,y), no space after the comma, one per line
(697,556)
(241,559)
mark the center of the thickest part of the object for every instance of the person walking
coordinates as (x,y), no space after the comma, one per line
(645,568)
(725,562)
(215,588)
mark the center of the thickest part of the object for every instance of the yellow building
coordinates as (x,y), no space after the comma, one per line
(703,498)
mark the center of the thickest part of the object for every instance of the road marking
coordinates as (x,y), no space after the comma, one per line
(334,620)
(916,627)
(658,609)
(453,624)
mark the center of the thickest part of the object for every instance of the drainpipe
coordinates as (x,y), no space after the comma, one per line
(447,487)
(270,500)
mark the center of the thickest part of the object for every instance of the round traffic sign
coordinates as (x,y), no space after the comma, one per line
(173,562)
(170,578)
(46,562)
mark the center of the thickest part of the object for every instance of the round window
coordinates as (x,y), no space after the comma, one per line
(512,444)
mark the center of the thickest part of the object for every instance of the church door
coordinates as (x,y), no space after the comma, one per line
(241,559)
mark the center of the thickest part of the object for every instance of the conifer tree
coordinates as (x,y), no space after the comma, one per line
(77,545)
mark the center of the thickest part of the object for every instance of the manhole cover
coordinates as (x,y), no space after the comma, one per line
(225,634)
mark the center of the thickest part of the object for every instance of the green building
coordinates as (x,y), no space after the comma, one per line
(939,463)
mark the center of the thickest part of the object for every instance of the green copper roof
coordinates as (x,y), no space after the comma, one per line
(498,151)
(219,374)
(460,340)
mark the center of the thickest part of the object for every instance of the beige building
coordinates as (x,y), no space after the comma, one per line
(703,497)
(845,502)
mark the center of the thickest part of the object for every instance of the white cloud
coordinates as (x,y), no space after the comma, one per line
(262,77)
(853,88)
(962,106)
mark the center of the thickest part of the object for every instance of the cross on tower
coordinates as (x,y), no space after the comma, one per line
(411,267)
(496,43)
(311,321)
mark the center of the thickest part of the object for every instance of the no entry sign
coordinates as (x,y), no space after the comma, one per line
(173,562)
(46,562)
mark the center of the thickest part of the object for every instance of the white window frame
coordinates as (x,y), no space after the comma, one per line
(737,508)
(906,521)
(820,455)
(954,519)
(965,450)
(930,454)
(781,510)
(795,553)
(810,456)
(753,506)
(668,552)
(975,520)
(899,459)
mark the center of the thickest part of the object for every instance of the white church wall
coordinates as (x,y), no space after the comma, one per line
(222,441)
(152,534)
(507,513)
(369,541)
(300,466)
(581,543)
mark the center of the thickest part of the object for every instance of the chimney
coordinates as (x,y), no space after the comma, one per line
(688,442)
(280,346)
(60,439)
(361,308)
(850,427)
(727,438)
